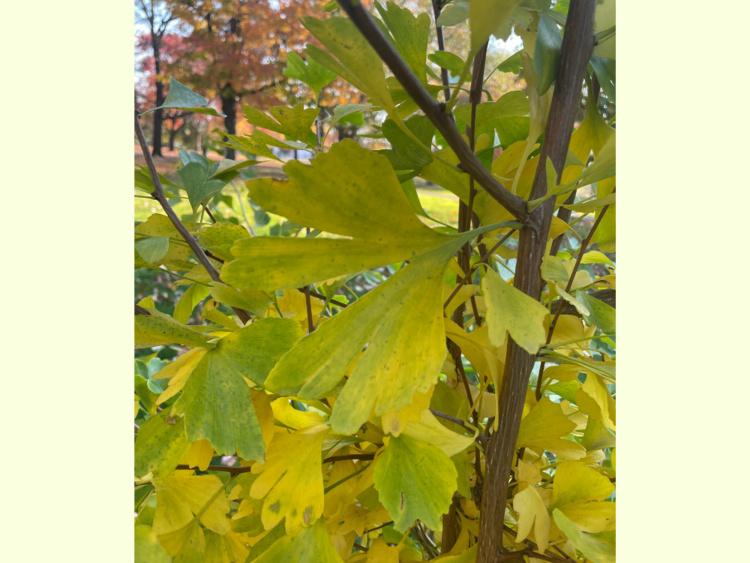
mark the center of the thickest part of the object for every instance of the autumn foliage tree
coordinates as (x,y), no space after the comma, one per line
(351,378)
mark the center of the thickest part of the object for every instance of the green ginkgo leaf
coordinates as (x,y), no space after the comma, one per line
(152,249)
(316,76)
(350,56)
(293,122)
(409,33)
(181,97)
(509,310)
(159,446)
(414,480)
(197,181)
(216,399)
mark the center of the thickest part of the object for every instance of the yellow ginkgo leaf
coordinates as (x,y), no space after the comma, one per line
(429,429)
(198,454)
(592,517)
(183,497)
(510,310)
(291,479)
(575,482)
(532,512)
(381,552)
(543,428)
(286,414)
(595,400)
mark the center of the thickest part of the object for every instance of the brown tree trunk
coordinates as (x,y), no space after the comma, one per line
(576,50)
(158,121)
(229,108)
(160,97)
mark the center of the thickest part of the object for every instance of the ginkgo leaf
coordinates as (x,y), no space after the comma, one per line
(414,481)
(543,428)
(291,480)
(575,482)
(409,33)
(180,96)
(596,547)
(182,497)
(216,400)
(393,339)
(468,556)
(198,454)
(310,545)
(188,542)
(159,445)
(294,418)
(429,430)
(218,238)
(152,249)
(293,122)
(224,548)
(488,17)
(532,512)
(375,339)
(147,547)
(509,310)
(197,181)
(159,329)
(594,390)
(350,56)
(308,71)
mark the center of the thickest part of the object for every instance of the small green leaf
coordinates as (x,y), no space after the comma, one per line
(182,97)
(414,480)
(454,13)
(196,178)
(601,314)
(316,76)
(152,249)
(546,52)
(409,33)
(513,64)
(449,61)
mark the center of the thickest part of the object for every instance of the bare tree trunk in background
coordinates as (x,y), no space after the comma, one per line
(158,114)
(229,108)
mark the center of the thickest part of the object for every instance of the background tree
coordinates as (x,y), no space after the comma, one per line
(236,50)
(156,14)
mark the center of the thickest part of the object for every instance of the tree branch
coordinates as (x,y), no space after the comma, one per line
(576,49)
(158,194)
(432,109)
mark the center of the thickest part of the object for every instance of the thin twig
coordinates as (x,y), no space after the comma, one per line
(158,194)
(453,419)
(433,110)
